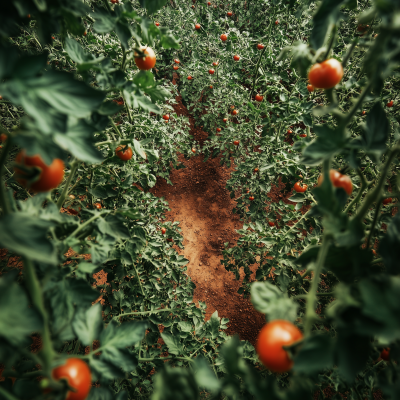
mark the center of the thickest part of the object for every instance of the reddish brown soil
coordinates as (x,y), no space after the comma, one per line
(200,202)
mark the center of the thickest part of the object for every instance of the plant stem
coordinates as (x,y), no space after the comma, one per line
(7,395)
(292,227)
(333,33)
(140,283)
(364,185)
(115,128)
(165,358)
(61,199)
(375,194)
(145,312)
(256,72)
(312,294)
(5,205)
(33,286)
(89,221)
(371,232)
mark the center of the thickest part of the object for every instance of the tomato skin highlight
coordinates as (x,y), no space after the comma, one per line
(235,112)
(176,61)
(299,188)
(148,62)
(310,88)
(97,205)
(163,231)
(124,153)
(236,57)
(50,177)
(175,67)
(271,338)
(78,375)
(224,37)
(229,13)
(166,117)
(193,150)
(218,129)
(326,75)
(197,27)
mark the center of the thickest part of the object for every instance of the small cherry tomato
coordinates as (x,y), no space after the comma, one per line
(326,75)
(218,129)
(339,180)
(251,198)
(163,231)
(176,61)
(260,46)
(289,131)
(189,78)
(303,135)
(97,205)
(77,373)
(210,86)
(236,57)
(235,112)
(192,6)
(157,24)
(373,252)
(259,98)
(387,201)
(3,137)
(84,33)
(271,223)
(225,120)
(211,71)
(276,22)
(193,150)
(385,354)
(390,104)
(256,169)
(170,240)
(209,3)
(236,142)
(50,175)
(271,339)
(215,63)
(310,88)
(148,61)
(247,190)
(175,67)
(197,27)
(363,113)
(125,153)
(166,117)
(224,37)
(299,188)
(229,13)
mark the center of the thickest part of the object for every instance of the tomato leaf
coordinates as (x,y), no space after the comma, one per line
(87,324)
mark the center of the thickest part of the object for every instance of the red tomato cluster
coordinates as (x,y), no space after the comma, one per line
(339,180)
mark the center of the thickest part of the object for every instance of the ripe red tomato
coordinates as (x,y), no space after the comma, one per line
(259,97)
(225,120)
(374,252)
(224,37)
(236,142)
(50,176)
(387,201)
(193,150)
(77,373)
(176,61)
(271,338)
(390,104)
(236,57)
(175,67)
(84,33)
(276,22)
(157,24)
(3,137)
(299,188)
(114,1)
(271,223)
(363,113)
(260,46)
(211,71)
(215,63)
(170,240)
(97,205)
(327,74)
(303,135)
(385,354)
(210,86)
(192,6)
(255,169)
(1,97)
(310,88)
(189,78)
(147,62)
(209,3)
(339,180)
(289,131)
(235,112)
(247,190)
(251,198)
(218,129)
(197,27)
(123,152)
(163,231)
(229,13)
(166,117)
